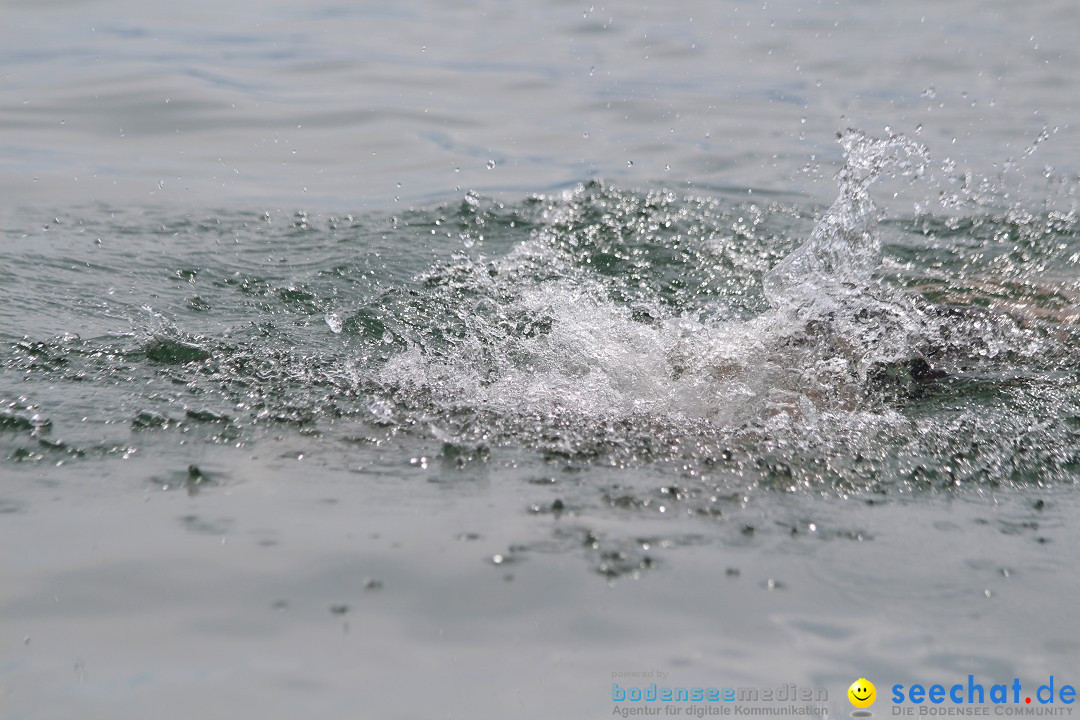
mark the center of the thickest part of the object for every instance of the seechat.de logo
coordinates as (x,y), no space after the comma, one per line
(862,695)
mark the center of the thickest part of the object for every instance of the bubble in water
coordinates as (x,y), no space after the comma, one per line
(334,322)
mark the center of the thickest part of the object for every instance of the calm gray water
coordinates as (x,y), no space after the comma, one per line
(413,360)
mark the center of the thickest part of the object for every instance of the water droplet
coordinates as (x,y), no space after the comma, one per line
(629,163)
(490,164)
(333,321)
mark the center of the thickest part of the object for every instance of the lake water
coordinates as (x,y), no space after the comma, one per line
(406,360)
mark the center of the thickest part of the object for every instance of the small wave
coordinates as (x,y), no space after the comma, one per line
(549,333)
(618,327)
(749,340)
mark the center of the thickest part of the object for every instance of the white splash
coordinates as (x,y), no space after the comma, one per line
(811,353)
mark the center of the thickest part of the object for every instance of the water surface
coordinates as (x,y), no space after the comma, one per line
(411,361)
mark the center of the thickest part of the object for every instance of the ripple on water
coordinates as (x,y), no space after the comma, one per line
(686,336)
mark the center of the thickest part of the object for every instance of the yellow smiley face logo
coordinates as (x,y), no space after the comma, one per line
(862,693)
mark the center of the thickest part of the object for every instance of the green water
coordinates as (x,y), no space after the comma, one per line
(570,413)
(591,327)
(412,361)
